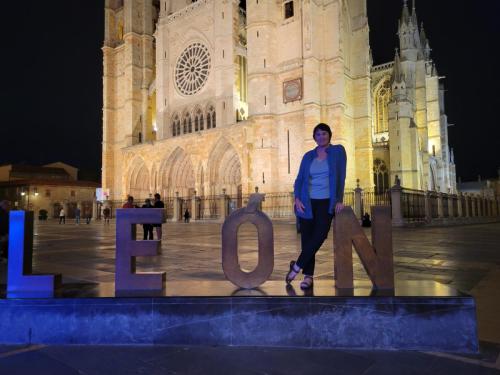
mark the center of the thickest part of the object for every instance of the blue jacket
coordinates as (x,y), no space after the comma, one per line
(337,161)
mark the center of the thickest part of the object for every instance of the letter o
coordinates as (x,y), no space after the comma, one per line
(230,263)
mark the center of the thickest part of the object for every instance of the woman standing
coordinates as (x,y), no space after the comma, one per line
(319,192)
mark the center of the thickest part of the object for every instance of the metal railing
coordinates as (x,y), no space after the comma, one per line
(416,205)
(413,205)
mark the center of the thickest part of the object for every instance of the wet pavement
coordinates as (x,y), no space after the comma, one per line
(465,258)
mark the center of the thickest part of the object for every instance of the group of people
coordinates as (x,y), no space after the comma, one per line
(148,228)
(62,216)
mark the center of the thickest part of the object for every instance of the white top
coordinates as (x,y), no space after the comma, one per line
(61,213)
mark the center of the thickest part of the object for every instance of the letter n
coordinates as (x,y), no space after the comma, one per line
(377,260)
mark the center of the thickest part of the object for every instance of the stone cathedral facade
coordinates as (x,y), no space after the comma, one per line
(201,96)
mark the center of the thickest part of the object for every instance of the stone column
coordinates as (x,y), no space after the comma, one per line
(358,209)
(427,206)
(451,214)
(440,205)
(94,209)
(397,214)
(473,206)
(175,217)
(467,208)
(193,206)
(223,205)
(459,205)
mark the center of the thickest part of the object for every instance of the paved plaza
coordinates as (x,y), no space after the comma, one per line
(466,258)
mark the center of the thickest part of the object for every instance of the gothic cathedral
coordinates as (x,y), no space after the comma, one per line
(207,96)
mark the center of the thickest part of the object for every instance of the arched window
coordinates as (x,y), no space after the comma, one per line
(186,123)
(176,125)
(198,120)
(382,97)
(380,176)
(211,120)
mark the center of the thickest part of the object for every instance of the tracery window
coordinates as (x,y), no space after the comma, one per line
(198,120)
(176,125)
(380,176)
(187,123)
(211,119)
(382,98)
(192,69)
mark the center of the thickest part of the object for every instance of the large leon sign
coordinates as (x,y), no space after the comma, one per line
(376,257)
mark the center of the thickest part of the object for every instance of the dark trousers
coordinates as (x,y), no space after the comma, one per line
(148,231)
(4,246)
(313,233)
(62,219)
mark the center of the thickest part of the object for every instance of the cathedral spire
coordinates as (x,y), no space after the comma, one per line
(424,42)
(405,15)
(423,36)
(414,14)
(397,72)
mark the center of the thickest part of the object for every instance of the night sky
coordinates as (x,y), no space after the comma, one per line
(51,86)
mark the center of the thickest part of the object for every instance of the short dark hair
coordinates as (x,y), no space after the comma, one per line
(130,198)
(157,196)
(324,127)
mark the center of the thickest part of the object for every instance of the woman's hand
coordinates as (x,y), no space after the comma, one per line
(299,205)
(339,207)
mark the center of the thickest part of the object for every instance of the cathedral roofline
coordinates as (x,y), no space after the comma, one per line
(381,67)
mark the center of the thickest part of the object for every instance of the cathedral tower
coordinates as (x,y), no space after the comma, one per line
(129,69)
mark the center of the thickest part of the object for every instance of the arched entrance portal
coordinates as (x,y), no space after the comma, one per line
(138,183)
(177,175)
(224,170)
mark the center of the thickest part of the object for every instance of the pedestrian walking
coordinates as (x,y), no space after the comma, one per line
(62,216)
(158,204)
(77,215)
(319,193)
(186,216)
(148,228)
(107,213)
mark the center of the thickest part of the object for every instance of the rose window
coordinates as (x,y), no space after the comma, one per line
(192,69)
